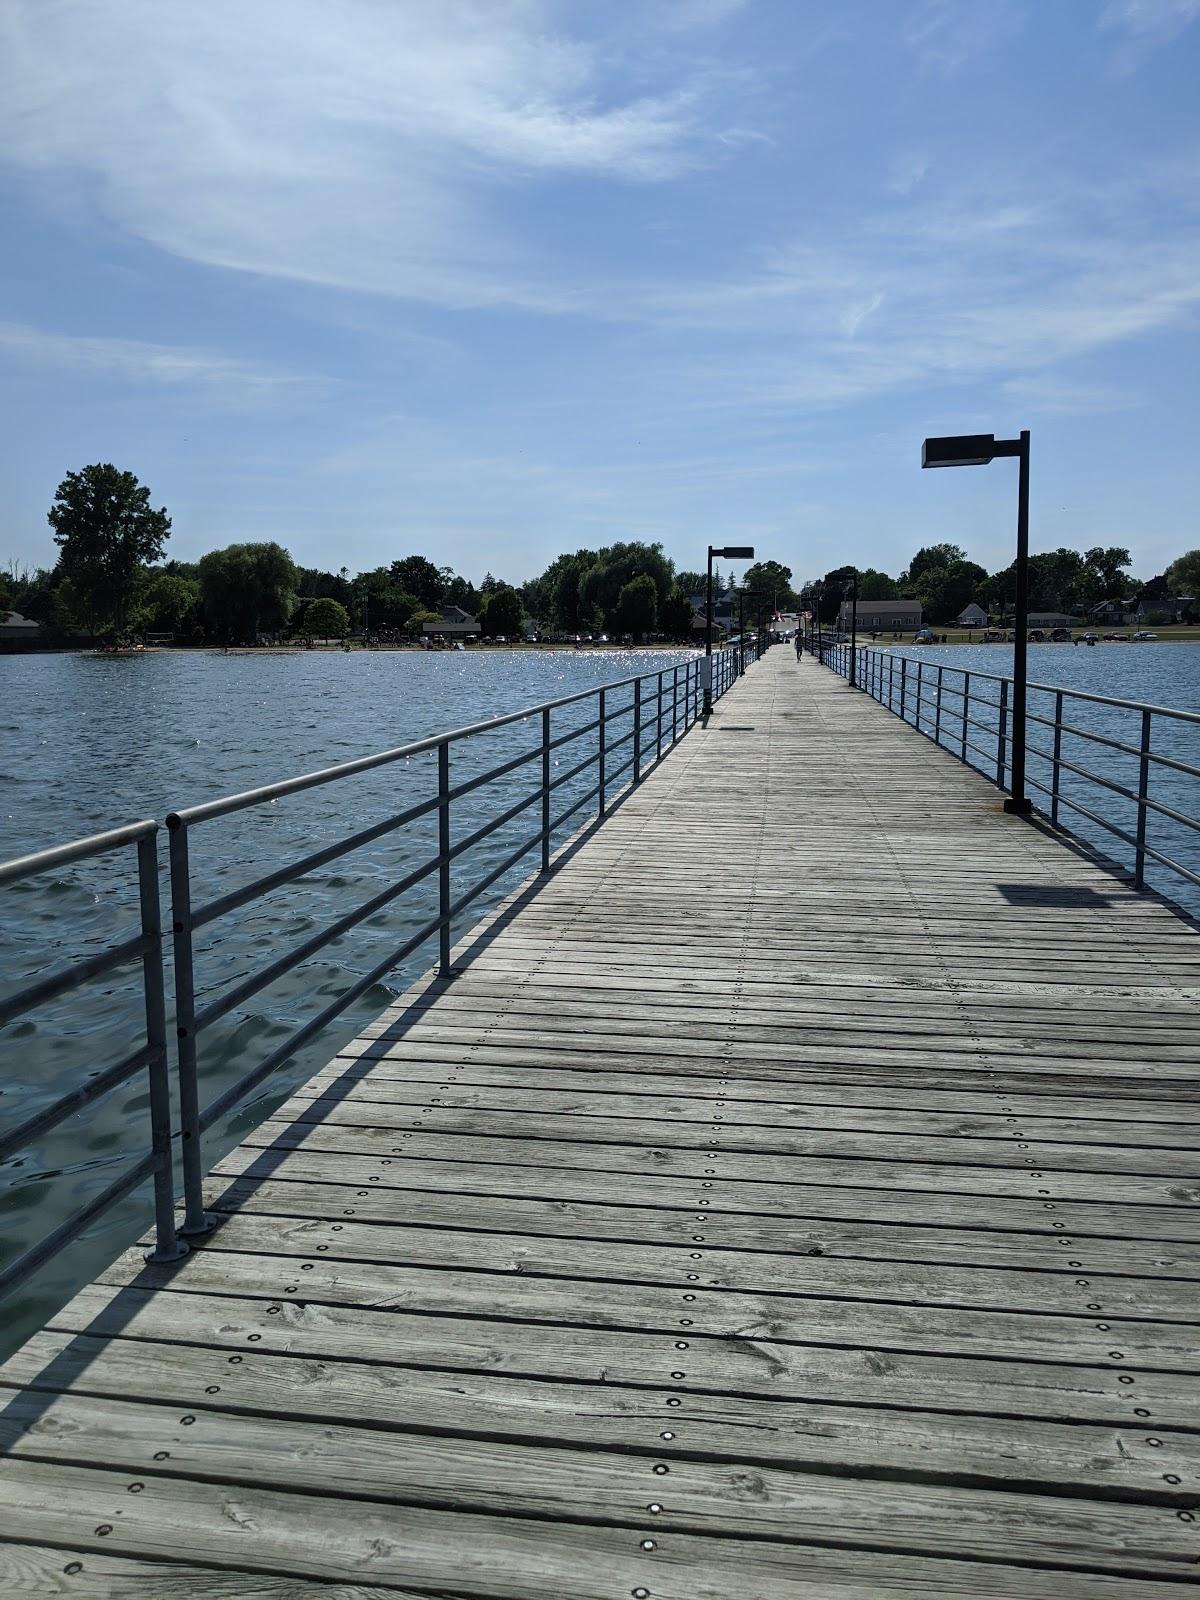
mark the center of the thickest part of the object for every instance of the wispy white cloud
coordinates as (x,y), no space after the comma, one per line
(944,35)
(368,146)
(138,360)
(1143,26)
(908,170)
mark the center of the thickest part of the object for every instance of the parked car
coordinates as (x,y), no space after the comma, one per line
(925,636)
(1143,636)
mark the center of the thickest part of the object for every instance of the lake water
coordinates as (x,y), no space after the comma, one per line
(91,742)
(88,743)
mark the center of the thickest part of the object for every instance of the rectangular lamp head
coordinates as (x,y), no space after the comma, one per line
(961,450)
(736,552)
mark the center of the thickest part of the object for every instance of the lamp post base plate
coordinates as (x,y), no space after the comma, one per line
(1018,805)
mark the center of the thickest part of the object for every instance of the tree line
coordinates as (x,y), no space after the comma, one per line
(112,581)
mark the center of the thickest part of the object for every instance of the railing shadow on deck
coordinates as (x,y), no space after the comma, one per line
(19,1415)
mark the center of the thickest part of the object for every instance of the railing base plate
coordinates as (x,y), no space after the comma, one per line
(1018,808)
(196,1230)
(158,1258)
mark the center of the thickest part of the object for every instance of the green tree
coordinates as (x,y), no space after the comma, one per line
(502,612)
(424,621)
(675,615)
(459,591)
(377,600)
(415,575)
(615,566)
(325,619)
(1183,575)
(568,602)
(247,590)
(106,531)
(636,610)
(930,556)
(166,602)
(874,585)
(1105,574)
(770,582)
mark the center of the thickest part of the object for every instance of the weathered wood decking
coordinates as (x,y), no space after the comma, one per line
(796,1197)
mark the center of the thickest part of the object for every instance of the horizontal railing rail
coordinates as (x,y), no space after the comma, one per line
(636,721)
(944,702)
(150,1056)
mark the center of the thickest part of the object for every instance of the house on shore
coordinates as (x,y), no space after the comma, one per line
(18,632)
(971,616)
(882,616)
(455,624)
(1053,619)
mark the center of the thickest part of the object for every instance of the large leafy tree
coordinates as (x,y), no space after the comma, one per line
(247,589)
(325,619)
(502,612)
(166,602)
(1183,575)
(675,615)
(770,583)
(106,531)
(415,575)
(636,610)
(617,565)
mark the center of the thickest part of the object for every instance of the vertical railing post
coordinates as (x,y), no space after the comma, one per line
(195,1220)
(891,687)
(1139,870)
(1002,730)
(443,751)
(637,730)
(545,788)
(658,722)
(1054,777)
(937,709)
(167,1246)
(920,686)
(602,775)
(903,688)
(675,704)
(966,707)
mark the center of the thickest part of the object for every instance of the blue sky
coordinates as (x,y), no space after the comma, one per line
(493,279)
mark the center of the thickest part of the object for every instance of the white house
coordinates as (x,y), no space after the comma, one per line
(972,616)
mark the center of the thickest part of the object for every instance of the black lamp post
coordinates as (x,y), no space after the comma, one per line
(976,450)
(731,553)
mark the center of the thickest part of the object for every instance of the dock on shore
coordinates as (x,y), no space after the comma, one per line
(794,1195)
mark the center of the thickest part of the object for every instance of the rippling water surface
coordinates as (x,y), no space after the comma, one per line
(88,743)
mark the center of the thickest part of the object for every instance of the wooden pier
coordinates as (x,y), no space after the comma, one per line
(792,1196)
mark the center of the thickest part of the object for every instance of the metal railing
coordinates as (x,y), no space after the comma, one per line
(628,727)
(969,713)
(146,947)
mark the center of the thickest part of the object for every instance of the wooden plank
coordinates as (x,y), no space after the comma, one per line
(1151,1201)
(734,1496)
(495,1558)
(694,1311)
(801,1237)
(365,1108)
(1063,1292)
(981,1451)
(300,1156)
(748,1364)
